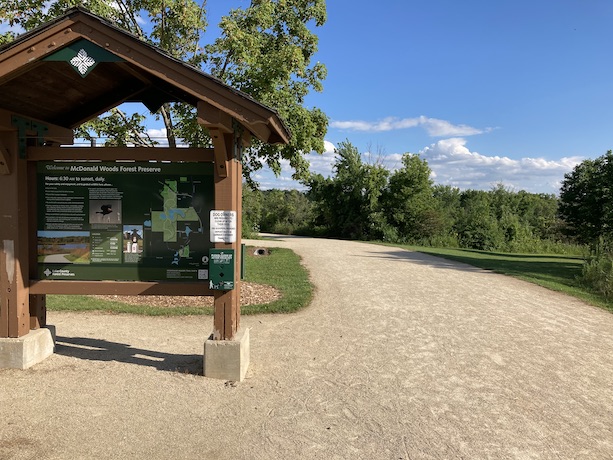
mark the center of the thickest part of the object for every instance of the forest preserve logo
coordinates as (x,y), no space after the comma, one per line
(82,62)
(58,272)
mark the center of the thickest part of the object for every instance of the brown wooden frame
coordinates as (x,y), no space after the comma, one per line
(228,196)
(147,74)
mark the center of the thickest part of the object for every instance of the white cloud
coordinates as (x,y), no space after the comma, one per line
(455,164)
(322,164)
(433,126)
(452,163)
(159,136)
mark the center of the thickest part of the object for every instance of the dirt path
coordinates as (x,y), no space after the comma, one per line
(57,259)
(400,356)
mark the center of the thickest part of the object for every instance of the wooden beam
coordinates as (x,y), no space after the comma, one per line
(119,288)
(121,153)
(211,117)
(222,144)
(48,41)
(261,131)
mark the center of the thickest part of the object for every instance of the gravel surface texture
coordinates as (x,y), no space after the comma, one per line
(400,356)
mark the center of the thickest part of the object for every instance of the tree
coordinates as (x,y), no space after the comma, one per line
(409,201)
(447,199)
(477,227)
(586,201)
(348,205)
(285,211)
(264,50)
(252,211)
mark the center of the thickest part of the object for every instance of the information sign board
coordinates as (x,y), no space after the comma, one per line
(134,221)
(223,226)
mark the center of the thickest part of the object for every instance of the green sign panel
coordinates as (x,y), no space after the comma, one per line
(221,269)
(133,221)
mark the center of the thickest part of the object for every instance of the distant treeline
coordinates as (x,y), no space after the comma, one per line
(368,202)
(365,201)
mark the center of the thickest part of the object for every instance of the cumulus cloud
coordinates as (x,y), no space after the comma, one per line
(452,163)
(159,136)
(433,126)
(455,164)
(322,164)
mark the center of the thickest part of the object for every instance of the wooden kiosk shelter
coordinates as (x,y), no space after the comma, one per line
(53,79)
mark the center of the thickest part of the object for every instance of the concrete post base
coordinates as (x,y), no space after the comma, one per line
(227,359)
(24,352)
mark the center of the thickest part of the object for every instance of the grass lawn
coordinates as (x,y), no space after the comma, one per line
(556,272)
(281,269)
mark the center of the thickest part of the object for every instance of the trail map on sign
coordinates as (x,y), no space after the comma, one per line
(165,221)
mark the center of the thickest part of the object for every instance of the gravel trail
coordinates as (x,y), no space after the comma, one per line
(400,356)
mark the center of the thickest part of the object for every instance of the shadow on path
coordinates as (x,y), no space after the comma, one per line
(424,259)
(543,268)
(103,350)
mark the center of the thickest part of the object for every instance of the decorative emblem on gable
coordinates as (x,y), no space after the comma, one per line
(82,61)
(83,56)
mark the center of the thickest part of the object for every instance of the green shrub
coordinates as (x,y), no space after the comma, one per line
(597,274)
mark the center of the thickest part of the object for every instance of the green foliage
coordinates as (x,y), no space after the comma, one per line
(409,200)
(365,201)
(597,274)
(275,211)
(264,49)
(252,212)
(6,37)
(348,206)
(285,211)
(119,129)
(477,226)
(586,201)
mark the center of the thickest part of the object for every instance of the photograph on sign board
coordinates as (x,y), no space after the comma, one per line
(105,211)
(63,247)
(132,243)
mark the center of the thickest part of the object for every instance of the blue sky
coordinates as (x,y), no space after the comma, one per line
(516,92)
(513,92)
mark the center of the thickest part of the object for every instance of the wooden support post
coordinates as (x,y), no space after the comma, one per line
(38,311)
(38,303)
(228,197)
(14,257)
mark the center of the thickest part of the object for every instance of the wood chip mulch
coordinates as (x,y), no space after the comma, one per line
(251,293)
